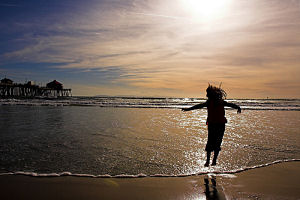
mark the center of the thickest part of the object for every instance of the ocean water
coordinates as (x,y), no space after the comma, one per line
(123,136)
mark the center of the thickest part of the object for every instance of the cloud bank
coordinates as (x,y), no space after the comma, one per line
(136,46)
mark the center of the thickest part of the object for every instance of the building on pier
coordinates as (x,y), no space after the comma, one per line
(55,85)
(6,81)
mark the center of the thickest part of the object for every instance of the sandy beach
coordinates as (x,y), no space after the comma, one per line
(279,181)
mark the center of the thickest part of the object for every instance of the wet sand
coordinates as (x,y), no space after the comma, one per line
(279,181)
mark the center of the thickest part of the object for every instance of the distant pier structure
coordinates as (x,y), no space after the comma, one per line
(29,90)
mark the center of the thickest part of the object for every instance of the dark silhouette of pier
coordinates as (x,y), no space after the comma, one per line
(9,89)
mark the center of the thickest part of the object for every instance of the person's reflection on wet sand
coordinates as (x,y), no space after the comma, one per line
(212,192)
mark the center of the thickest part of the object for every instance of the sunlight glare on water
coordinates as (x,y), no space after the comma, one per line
(106,140)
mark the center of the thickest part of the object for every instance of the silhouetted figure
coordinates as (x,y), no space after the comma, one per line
(215,120)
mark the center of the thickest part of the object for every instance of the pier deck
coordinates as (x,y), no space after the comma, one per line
(28,91)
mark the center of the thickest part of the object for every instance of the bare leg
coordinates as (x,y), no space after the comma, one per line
(216,153)
(207,158)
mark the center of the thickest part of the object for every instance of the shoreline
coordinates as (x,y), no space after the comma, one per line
(276,181)
(129,176)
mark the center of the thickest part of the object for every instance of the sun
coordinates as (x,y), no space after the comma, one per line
(205,9)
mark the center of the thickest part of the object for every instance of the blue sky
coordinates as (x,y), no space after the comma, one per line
(154,48)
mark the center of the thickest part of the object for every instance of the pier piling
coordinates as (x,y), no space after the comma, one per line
(54,89)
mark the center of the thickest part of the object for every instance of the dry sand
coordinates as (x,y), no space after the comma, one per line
(279,181)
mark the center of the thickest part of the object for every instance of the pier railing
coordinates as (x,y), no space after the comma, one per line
(29,91)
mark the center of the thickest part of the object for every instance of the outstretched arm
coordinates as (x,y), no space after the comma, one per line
(198,106)
(232,105)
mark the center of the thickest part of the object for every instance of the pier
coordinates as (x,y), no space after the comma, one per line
(8,89)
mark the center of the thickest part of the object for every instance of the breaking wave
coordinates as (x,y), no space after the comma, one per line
(149,102)
(209,171)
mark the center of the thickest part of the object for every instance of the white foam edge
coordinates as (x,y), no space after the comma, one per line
(228,174)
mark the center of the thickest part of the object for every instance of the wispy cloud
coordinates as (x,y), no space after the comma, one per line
(134,44)
(158,15)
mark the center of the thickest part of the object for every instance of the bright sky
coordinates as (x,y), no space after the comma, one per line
(154,48)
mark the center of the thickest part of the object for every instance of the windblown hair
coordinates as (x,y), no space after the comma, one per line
(215,93)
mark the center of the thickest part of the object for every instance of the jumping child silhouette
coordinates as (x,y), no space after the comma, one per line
(215,120)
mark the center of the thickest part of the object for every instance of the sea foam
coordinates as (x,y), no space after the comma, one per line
(210,172)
